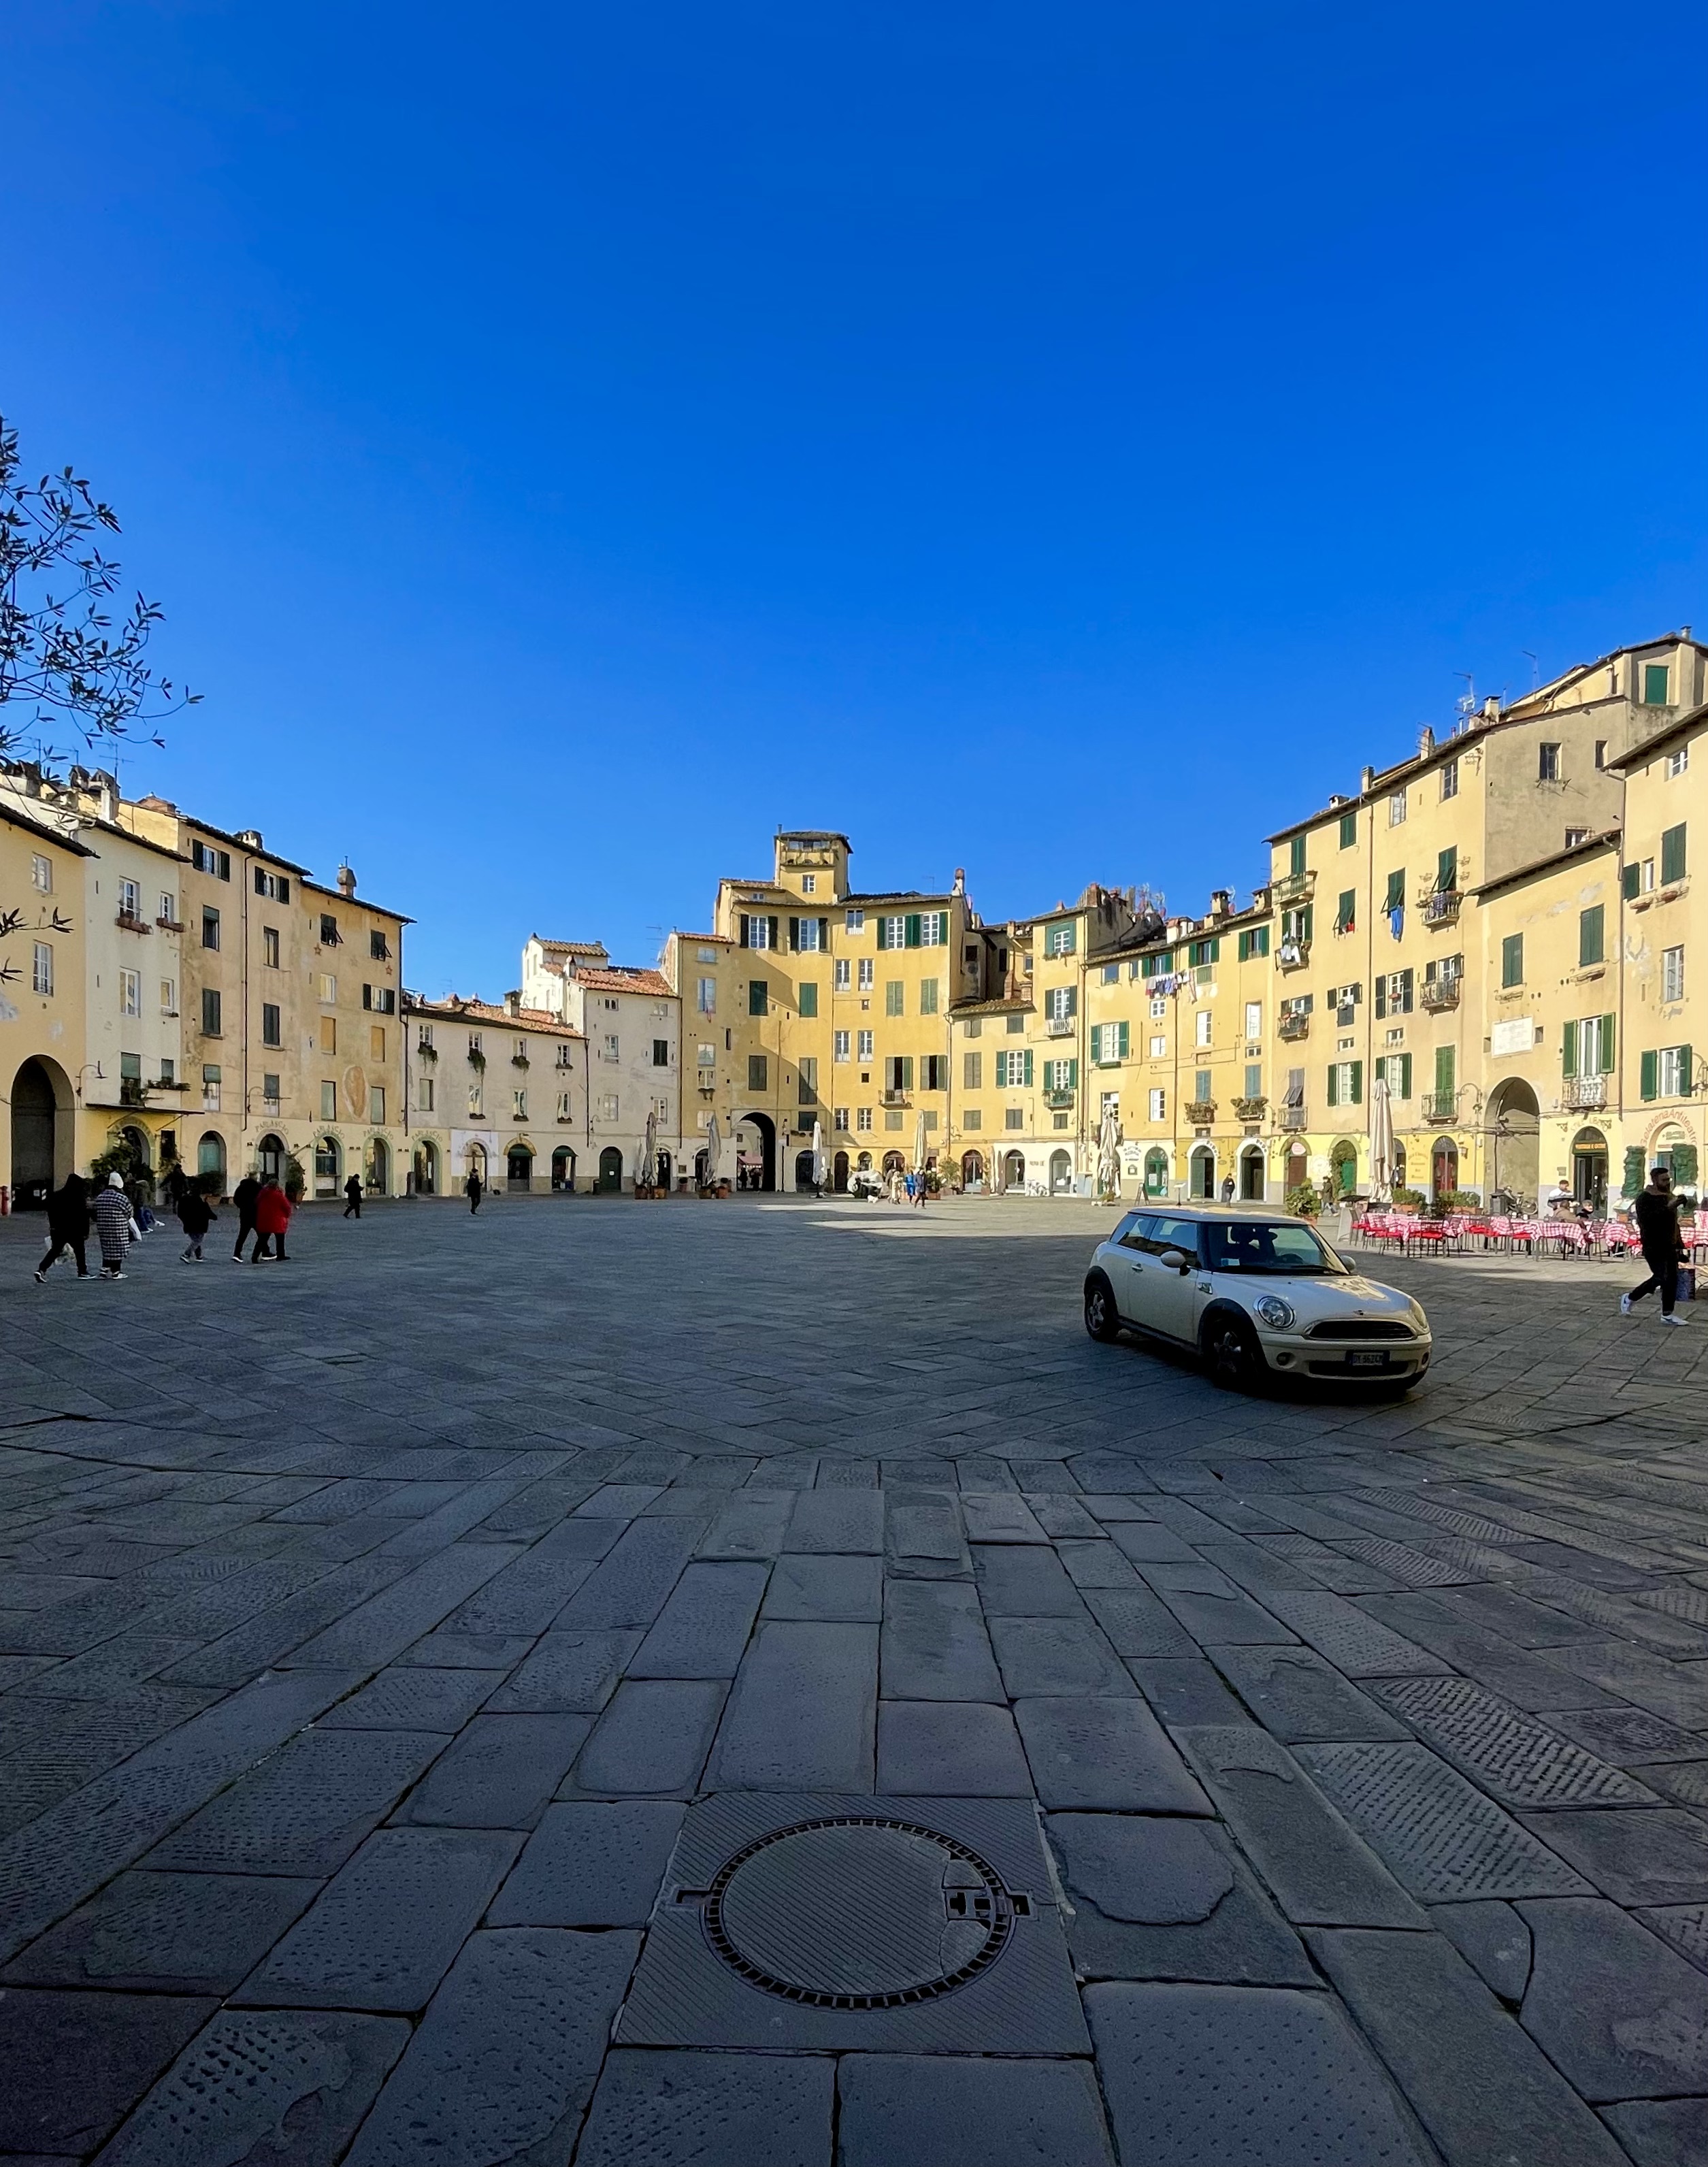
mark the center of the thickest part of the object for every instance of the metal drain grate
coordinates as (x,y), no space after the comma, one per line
(857,1912)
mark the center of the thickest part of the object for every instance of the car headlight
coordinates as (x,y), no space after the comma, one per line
(1275,1312)
(1417,1311)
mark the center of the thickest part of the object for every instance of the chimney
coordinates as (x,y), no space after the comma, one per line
(1491,708)
(1221,901)
(347,884)
(1367,781)
(1426,743)
(512,1003)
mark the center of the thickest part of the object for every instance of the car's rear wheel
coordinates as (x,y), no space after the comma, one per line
(1103,1319)
(1231,1351)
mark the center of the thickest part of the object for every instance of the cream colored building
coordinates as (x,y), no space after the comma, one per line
(631,1020)
(494,1089)
(44,883)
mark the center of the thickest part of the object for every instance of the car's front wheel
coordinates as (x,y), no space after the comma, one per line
(1231,1351)
(1103,1319)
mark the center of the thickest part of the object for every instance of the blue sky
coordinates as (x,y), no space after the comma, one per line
(569,443)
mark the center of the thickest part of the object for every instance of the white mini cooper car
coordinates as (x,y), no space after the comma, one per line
(1257,1295)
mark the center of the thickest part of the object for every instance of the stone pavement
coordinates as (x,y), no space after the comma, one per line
(754,1684)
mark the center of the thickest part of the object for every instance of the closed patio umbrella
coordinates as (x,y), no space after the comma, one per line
(1109,1156)
(647,1165)
(714,1150)
(919,1143)
(818,1154)
(1380,1143)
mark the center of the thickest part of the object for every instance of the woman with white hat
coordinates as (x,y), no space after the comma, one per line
(114,1226)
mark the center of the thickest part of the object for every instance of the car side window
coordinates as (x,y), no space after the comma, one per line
(1181,1234)
(1133,1230)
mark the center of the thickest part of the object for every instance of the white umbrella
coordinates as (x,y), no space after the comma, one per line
(919,1143)
(647,1165)
(818,1154)
(997,1171)
(714,1150)
(1380,1143)
(1109,1156)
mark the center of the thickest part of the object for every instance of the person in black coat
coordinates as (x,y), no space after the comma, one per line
(244,1196)
(1657,1215)
(67,1225)
(195,1215)
(471,1190)
(352,1192)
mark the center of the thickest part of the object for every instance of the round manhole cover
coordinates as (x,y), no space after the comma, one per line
(854,1914)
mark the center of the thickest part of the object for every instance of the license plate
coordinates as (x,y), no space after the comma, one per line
(1375,1358)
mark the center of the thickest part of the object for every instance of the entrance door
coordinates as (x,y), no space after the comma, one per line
(838,1174)
(1443,1168)
(1203,1172)
(379,1168)
(33,1104)
(1251,1178)
(563,1168)
(803,1170)
(972,1170)
(610,1171)
(1060,1173)
(1014,1170)
(519,1171)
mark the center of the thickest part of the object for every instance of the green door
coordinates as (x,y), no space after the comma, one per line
(610,1170)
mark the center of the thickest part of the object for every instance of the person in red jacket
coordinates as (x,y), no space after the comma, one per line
(272,1215)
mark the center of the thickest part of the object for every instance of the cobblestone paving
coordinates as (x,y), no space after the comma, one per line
(754,1684)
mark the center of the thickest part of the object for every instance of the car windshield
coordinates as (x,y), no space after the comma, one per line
(1267,1245)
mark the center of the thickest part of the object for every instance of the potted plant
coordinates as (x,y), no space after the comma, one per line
(1304,1202)
(295,1180)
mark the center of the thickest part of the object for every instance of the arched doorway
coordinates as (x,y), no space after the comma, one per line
(1155,1173)
(210,1160)
(474,1161)
(377,1175)
(1060,1173)
(803,1170)
(972,1170)
(667,1172)
(427,1169)
(838,1174)
(756,1151)
(1014,1170)
(41,1132)
(519,1168)
(1343,1165)
(1671,1146)
(1443,1166)
(1514,1126)
(329,1166)
(1590,1171)
(610,1171)
(563,1168)
(863,1164)
(1297,1168)
(1252,1175)
(894,1163)
(141,1151)
(1202,1180)
(270,1157)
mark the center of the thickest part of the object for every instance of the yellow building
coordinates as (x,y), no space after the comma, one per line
(43,1012)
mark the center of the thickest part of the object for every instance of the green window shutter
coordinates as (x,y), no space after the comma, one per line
(1512,960)
(1244,947)
(795,933)
(1259,940)
(1026,1066)
(1333,1085)
(1396,892)
(1631,881)
(1444,1072)
(1310,920)
(914,929)
(1348,830)
(1073,1000)
(1408,986)
(1447,870)
(1633,1168)
(809,1000)
(1216,949)
(1608,1062)
(1121,1040)
(1649,1084)
(1683,1068)
(883,932)
(1296,855)
(1672,853)
(1050,1075)
(1380,997)
(1348,911)
(1590,944)
(1568,1049)
(1073,1074)
(1358,1083)
(1405,1076)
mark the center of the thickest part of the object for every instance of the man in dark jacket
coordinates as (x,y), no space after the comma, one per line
(352,1195)
(1656,1216)
(472,1189)
(67,1225)
(195,1217)
(243,1196)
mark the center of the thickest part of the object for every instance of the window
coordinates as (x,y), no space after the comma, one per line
(892,932)
(1600,752)
(210,1012)
(1672,974)
(41,969)
(1586,1046)
(382,999)
(608,1106)
(329,1034)
(1655,677)
(972,1072)
(378,949)
(1512,960)
(934,1075)
(210,1090)
(759,997)
(329,1100)
(1396,809)
(519,1106)
(1204,1083)
(661,1053)
(207,861)
(562,1056)
(1158,1004)
(864,1043)
(809,883)
(376,1041)
(1395,900)
(841,974)
(1348,830)
(1678,762)
(1254,1080)
(275,887)
(1450,778)
(756,1072)
(1394,1070)
(1447,870)
(809,997)
(1061,1075)
(804,934)
(1673,854)
(853,921)
(1576,836)
(1253,942)
(1061,1005)
(269,946)
(424,1100)
(269,1092)
(328,987)
(973,1027)
(706,997)
(41,874)
(376,1103)
(927,997)
(271,1034)
(1157,1104)
(1668,1074)
(563,1109)
(1590,939)
(1014,1025)
(1014,1070)
(1393,994)
(705,1057)
(757,932)
(477,1100)
(868,974)
(1204,1023)
(329,935)
(842,1043)
(1109,1043)
(933,930)
(898,1071)
(1112,974)
(168,910)
(1346,912)
(892,998)
(1200,954)
(129,899)
(1014,1118)
(612,1051)
(1058,941)
(1547,763)
(1347,1083)
(1159,1047)
(863,1122)
(973,1120)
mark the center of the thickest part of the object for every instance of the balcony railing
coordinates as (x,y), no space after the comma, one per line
(1442,907)
(1439,993)
(1199,1113)
(132,923)
(1294,1026)
(895,1097)
(132,1091)
(168,924)
(1293,955)
(1294,887)
(1058,1098)
(1440,1105)
(1293,1117)
(1583,1094)
(1059,1026)
(1250,1110)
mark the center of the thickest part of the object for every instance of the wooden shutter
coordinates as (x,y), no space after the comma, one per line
(1404,1076)
(1307,922)
(795,933)
(1568,1049)
(1381,998)
(906,1072)
(1073,1074)
(1026,1067)
(746,940)
(772,925)
(1447,870)
(1245,946)
(883,931)
(1444,1072)
(1631,881)
(1608,1063)
(913,928)
(1396,892)
(1672,853)
(1296,853)
(1122,1040)
(1333,1083)
(824,933)
(1356,1079)
(1649,1068)
(1684,1069)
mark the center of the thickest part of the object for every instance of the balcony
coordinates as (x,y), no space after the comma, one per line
(1199,1113)
(128,922)
(166,924)
(132,1091)
(1439,1105)
(1442,907)
(1060,1027)
(1293,1117)
(895,1098)
(519,1061)
(427,1051)
(1293,1026)
(1250,1110)
(1294,887)
(1439,993)
(1293,955)
(1058,1098)
(1583,1095)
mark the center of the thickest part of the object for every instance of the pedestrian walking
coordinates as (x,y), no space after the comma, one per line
(67,1226)
(352,1192)
(472,1189)
(1657,1215)
(272,1215)
(195,1215)
(919,1189)
(244,1197)
(115,1225)
(173,1187)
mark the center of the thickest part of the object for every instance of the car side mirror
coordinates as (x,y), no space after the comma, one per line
(1176,1261)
